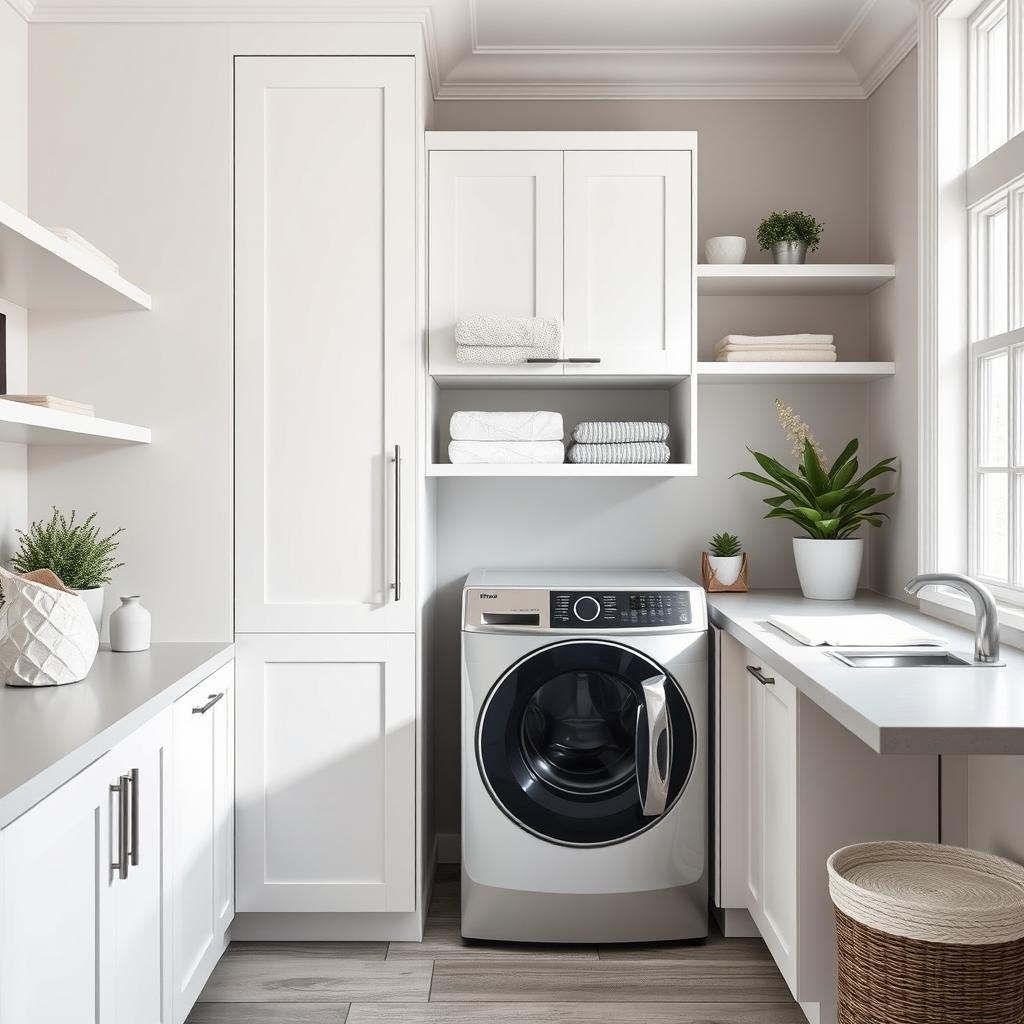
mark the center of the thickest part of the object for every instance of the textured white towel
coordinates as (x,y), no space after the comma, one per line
(506,452)
(789,355)
(483,355)
(773,340)
(509,332)
(639,452)
(506,426)
(618,432)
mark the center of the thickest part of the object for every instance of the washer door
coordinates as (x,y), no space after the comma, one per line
(585,742)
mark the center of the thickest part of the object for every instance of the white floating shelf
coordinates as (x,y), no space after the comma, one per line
(26,424)
(792,279)
(756,373)
(40,271)
(512,381)
(565,471)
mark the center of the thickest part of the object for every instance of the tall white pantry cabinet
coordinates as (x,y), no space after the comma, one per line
(326,607)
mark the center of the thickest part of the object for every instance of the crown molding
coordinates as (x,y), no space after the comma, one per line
(647,91)
(891,60)
(23,7)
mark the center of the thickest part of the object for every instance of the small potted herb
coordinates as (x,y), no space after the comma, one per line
(789,235)
(76,552)
(725,558)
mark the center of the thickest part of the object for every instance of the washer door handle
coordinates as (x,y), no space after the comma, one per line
(651,778)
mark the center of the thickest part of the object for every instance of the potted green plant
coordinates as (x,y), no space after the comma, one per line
(789,235)
(829,504)
(725,556)
(76,552)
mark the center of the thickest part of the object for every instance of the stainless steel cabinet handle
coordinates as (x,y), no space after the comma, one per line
(573,359)
(656,795)
(396,586)
(135,817)
(212,699)
(123,809)
(760,676)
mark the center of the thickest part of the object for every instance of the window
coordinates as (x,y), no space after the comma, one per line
(996,298)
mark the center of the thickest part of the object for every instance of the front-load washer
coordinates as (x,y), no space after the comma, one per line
(584,757)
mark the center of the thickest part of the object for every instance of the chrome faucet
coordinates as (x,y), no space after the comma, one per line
(986,617)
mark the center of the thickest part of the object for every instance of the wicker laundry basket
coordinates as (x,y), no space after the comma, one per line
(928,934)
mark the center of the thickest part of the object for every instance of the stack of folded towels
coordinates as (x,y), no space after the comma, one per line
(506,438)
(506,340)
(776,348)
(620,442)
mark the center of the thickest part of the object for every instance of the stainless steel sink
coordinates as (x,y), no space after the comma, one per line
(898,659)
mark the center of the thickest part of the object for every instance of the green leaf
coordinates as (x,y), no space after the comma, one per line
(848,452)
(839,479)
(831,499)
(813,472)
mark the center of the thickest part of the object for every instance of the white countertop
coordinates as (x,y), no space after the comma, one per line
(958,710)
(49,734)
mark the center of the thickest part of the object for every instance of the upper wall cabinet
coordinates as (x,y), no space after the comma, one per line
(594,227)
(325,343)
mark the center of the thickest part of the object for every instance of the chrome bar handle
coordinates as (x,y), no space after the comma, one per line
(213,698)
(135,817)
(760,676)
(656,796)
(573,359)
(121,789)
(396,586)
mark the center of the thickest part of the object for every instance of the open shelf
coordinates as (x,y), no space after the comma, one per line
(40,271)
(25,424)
(565,471)
(792,279)
(754,373)
(472,381)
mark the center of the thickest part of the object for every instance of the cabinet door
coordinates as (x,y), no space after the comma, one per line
(56,945)
(325,342)
(495,245)
(141,903)
(326,784)
(203,841)
(629,261)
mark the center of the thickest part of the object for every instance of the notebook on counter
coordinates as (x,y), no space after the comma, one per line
(863,630)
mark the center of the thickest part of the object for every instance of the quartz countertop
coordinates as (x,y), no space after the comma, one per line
(954,710)
(49,734)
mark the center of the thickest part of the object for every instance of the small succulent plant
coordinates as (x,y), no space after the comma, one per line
(725,545)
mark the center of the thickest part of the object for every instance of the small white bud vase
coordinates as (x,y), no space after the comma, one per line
(130,626)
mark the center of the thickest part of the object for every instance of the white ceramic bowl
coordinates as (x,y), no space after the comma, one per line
(726,249)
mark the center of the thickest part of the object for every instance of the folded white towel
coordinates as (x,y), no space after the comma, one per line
(773,340)
(484,355)
(788,355)
(506,452)
(618,432)
(509,332)
(469,425)
(639,452)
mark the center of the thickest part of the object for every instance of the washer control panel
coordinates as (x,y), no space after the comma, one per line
(620,609)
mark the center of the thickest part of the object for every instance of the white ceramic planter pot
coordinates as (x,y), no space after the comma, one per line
(130,626)
(726,568)
(726,249)
(828,569)
(93,598)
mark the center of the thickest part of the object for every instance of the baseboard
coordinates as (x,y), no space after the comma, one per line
(735,924)
(267,927)
(449,848)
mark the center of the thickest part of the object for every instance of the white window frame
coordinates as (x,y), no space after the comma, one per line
(979,24)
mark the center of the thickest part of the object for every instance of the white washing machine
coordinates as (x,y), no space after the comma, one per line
(584,757)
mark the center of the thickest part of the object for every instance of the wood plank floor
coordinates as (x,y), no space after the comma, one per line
(445,981)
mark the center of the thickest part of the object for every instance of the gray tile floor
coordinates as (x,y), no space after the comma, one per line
(442,981)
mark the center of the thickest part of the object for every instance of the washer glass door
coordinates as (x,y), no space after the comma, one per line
(585,742)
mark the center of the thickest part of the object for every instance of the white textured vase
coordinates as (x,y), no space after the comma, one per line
(93,598)
(47,636)
(726,249)
(828,569)
(726,568)
(130,625)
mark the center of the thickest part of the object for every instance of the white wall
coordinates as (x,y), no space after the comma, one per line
(753,157)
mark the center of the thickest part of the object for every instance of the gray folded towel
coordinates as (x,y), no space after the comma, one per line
(652,452)
(605,432)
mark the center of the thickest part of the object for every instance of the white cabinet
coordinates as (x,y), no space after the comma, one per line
(325,343)
(326,763)
(84,885)
(594,227)
(202,834)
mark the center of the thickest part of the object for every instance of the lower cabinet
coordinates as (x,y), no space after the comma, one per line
(202,834)
(84,885)
(326,772)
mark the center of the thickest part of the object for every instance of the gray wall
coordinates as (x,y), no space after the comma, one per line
(753,157)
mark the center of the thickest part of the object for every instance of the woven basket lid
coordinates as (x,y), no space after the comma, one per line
(929,892)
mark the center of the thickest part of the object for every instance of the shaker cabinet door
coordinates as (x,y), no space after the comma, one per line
(325,343)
